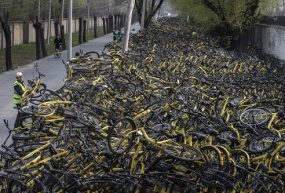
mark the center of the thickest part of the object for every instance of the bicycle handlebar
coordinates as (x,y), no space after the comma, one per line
(6,122)
(40,74)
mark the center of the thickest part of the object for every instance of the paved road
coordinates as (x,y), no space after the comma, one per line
(51,67)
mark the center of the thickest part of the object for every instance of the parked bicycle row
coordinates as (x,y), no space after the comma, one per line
(174,114)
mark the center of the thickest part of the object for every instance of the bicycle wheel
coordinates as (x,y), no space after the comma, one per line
(27,121)
(42,88)
(37,110)
(255,116)
(241,157)
(91,53)
(50,95)
(262,144)
(182,152)
(121,136)
(212,155)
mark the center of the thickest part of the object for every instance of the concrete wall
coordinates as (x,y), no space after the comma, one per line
(18,33)
(271,38)
(25,32)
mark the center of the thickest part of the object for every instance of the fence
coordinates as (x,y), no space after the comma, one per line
(269,38)
(24,32)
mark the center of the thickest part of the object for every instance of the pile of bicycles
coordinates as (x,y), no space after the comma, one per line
(174,114)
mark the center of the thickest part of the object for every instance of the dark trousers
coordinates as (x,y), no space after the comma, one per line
(19,117)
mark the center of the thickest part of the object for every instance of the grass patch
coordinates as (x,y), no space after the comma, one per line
(26,53)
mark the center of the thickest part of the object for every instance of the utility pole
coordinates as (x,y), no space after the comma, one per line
(69,41)
(49,22)
(128,25)
(143,14)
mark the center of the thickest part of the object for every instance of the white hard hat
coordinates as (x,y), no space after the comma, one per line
(19,74)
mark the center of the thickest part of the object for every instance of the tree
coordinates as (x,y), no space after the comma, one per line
(223,17)
(151,10)
(38,25)
(84,30)
(80,30)
(7,32)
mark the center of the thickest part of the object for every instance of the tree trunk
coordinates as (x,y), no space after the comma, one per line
(115,21)
(43,46)
(80,31)
(8,50)
(84,30)
(104,26)
(149,12)
(7,32)
(124,19)
(95,26)
(37,25)
(62,37)
(118,21)
(127,30)
(110,23)
(56,26)
(38,45)
(121,21)
(107,25)
(143,15)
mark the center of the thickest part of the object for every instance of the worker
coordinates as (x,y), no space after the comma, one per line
(19,90)
(116,34)
(58,46)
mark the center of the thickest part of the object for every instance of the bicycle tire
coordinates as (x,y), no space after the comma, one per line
(42,88)
(36,101)
(214,153)
(54,95)
(38,110)
(250,116)
(31,109)
(117,133)
(87,54)
(26,121)
(255,146)
(241,157)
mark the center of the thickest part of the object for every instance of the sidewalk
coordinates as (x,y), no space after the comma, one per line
(49,66)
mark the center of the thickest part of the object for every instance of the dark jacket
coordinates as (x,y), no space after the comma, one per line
(18,89)
(57,42)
